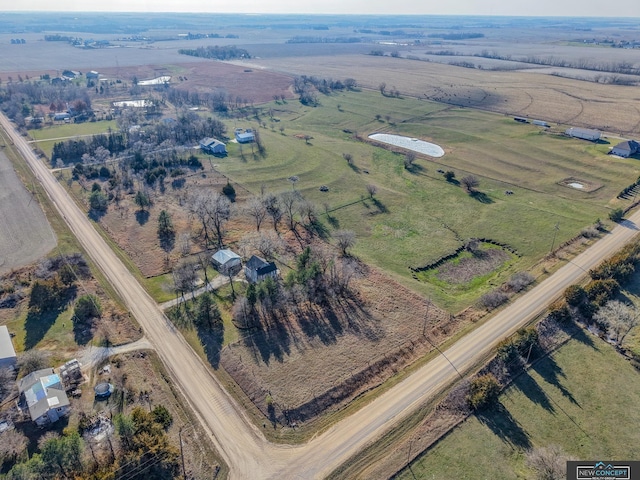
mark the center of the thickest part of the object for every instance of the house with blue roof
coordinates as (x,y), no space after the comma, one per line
(42,394)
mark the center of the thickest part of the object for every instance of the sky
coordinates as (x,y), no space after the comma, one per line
(547,8)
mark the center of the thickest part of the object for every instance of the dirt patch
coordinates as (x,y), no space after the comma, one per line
(467,268)
(580,184)
(347,348)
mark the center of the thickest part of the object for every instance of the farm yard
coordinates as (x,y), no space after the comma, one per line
(428,234)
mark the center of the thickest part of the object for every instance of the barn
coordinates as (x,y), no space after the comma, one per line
(584,133)
(246,136)
(8,357)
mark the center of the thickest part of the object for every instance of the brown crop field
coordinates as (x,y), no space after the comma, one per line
(612,108)
(21,218)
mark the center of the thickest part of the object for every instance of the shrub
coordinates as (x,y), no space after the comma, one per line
(493,299)
(601,291)
(449,175)
(560,312)
(162,416)
(483,391)
(228,190)
(575,295)
(87,306)
(616,215)
(520,280)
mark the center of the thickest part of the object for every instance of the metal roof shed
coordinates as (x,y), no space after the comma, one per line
(8,356)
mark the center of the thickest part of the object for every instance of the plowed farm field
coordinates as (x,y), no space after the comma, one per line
(612,108)
(25,234)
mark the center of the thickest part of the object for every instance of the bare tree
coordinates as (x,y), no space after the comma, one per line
(289,202)
(268,244)
(273,208)
(32,360)
(307,210)
(345,239)
(470,183)
(549,463)
(293,179)
(7,382)
(13,445)
(409,158)
(184,278)
(382,87)
(620,318)
(372,190)
(213,210)
(255,208)
(185,244)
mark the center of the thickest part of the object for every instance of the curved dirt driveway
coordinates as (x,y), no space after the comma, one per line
(241,444)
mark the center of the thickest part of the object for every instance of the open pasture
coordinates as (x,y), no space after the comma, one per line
(416,216)
(556,100)
(559,401)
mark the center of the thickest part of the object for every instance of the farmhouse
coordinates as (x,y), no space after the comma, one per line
(7,352)
(92,75)
(42,393)
(626,149)
(244,136)
(584,133)
(258,269)
(211,145)
(226,262)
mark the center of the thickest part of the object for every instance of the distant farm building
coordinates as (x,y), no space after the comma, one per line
(211,145)
(541,123)
(42,394)
(226,262)
(584,133)
(626,149)
(521,119)
(7,352)
(244,136)
(61,116)
(92,75)
(258,269)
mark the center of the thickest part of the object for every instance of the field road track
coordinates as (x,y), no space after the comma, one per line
(240,443)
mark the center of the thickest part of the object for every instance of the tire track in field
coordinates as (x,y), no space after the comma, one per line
(580,102)
(528,105)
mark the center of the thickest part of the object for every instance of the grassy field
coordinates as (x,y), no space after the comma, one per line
(417,217)
(564,400)
(44,137)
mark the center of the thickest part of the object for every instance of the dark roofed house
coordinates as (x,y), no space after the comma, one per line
(258,269)
(92,75)
(626,149)
(42,393)
(211,145)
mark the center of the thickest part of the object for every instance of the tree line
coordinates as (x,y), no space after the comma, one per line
(217,52)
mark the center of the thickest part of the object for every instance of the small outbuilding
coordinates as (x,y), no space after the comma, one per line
(626,149)
(258,269)
(244,136)
(211,145)
(8,356)
(226,262)
(92,75)
(584,133)
(42,394)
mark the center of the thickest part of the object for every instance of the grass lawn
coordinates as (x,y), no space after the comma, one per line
(44,136)
(416,216)
(565,400)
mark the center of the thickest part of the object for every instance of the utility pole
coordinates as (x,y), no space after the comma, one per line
(555,232)
(184,473)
